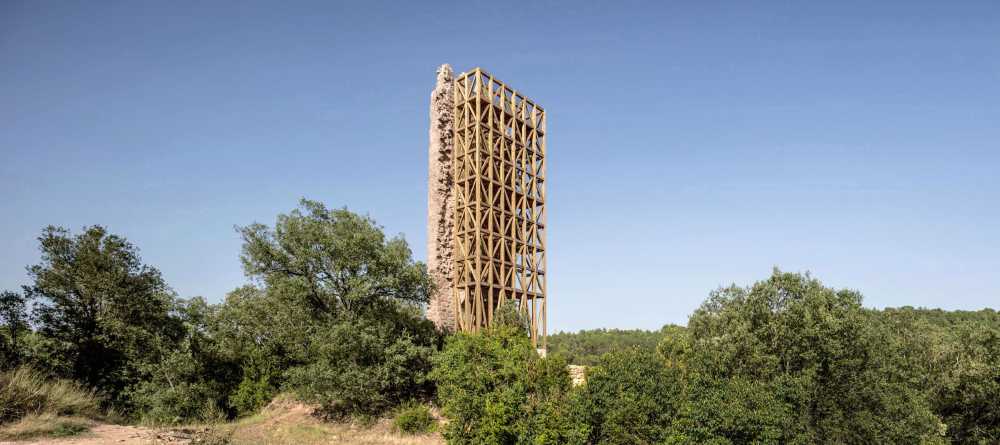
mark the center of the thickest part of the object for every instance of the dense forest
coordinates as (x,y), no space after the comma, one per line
(332,314)
(586,347)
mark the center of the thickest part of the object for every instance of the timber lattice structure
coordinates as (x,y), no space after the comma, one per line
(499,204)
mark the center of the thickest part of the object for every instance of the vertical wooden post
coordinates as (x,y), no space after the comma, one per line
(499,204)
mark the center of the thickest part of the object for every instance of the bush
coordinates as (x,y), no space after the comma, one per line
(181,403)
(27,391)
(364,367)
(414,418)
(630,397)
(730,411)
(192,383)
(495,389)
(252,393)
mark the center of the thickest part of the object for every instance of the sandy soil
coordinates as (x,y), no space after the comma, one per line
(103,434)
(282,422)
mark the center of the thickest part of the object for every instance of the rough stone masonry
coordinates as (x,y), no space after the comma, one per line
(440,202)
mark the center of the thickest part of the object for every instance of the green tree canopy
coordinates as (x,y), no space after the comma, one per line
(495,389)
(103,311)
(337,317)
(819,350)
(335,261)
(13,325)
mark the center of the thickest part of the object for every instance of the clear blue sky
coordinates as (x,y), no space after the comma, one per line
(692,144)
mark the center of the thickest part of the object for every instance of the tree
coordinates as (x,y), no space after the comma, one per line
(14,321)
(587,346)
(630,397)
(337,318)
(194,380)
(365,366)
(333,262)
(104,312)
(495,389)
(952,357)
(820,353)
(265,336)
(730,411)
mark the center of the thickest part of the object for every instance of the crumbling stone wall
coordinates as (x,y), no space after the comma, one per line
(577,374)
(440,202)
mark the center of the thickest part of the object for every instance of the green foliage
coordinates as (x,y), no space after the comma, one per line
(953,358)
(967,395)
(335,320)
(414,418)
(68,429)
(13,326)
(630,397)
(27,391)
(333,315)
(508,316)
(333,262)
(819,351)
(265,336)
(254,391)
(730,411)
(192,382)
(586,347)
(495,389)
(365,366)
(104,312)
(338,314)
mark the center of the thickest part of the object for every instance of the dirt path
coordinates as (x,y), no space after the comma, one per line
(103,434)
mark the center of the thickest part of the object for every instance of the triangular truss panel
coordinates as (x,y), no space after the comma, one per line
(499,170)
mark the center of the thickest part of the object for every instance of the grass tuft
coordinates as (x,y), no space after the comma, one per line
(25,391)
(34,426)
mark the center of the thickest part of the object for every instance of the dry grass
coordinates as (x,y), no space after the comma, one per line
(286,421)
(45,425)
(33,406)
(25,391)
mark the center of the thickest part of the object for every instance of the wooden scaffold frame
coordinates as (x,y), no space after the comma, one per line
(499,213)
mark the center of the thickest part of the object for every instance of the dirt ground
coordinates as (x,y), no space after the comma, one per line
(282,422)
(108,434)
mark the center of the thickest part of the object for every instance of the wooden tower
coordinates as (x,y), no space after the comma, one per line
(498,165)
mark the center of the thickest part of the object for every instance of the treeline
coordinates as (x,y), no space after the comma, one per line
(333,314)
(587,346)
(785,360)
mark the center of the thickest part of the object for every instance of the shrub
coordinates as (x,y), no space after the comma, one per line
(364,367)
(414,418)
(181,403)
(28,391)
(730,411)
(495,389)
(630,397)
(192,383)
(68,428)
(252,394)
